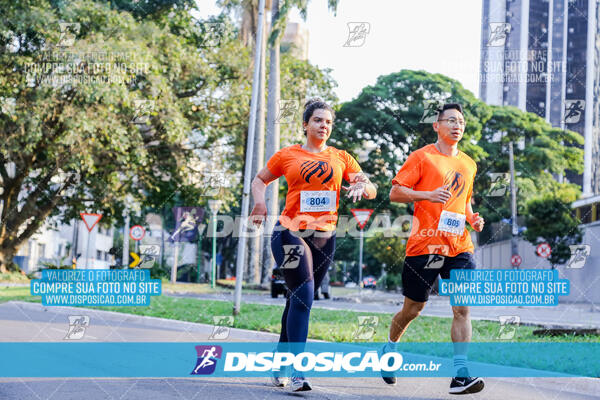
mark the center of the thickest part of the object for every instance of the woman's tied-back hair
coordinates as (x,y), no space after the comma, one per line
(315,104)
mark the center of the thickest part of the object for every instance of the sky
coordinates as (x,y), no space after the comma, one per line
(437,36)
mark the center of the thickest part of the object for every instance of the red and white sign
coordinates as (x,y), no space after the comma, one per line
(137,232)
(90,220)
(543,250)
(361,215)
(516,260)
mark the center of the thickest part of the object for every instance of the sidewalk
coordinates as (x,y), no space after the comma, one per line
(566,315)
(33,322)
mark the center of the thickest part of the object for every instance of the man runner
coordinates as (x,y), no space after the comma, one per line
(439,179)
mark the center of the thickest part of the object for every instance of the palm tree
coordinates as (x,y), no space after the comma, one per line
(258,159)
(279,16)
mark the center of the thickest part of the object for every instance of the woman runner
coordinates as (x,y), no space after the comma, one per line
(303,240)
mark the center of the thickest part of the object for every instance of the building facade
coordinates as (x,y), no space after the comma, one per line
(543,56)
(53,244)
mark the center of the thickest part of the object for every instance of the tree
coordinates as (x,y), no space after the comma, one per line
(280,11)
(389,250)
(544,151)
(382,126)
(550,219)
(135,127)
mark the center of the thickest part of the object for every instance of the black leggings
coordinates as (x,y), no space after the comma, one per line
(304,260)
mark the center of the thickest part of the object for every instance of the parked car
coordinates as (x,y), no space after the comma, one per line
(369,282)
(324,288)
(277,283)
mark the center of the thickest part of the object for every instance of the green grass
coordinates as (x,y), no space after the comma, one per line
(329,325)
(338,291)
(13,277)
(203,288)
(20,293)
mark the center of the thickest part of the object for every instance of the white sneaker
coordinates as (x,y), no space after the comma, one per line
(279,381)
(300,384)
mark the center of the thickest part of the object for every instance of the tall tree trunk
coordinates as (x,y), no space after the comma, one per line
(6,259)
(258,159)
(272,139)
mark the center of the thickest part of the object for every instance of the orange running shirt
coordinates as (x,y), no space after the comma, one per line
(314,182)
(427,169)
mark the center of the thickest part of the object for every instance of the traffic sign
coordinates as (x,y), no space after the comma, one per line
(90,220)
(361,215)
(543,250)
(136,260)
(137,232)
(516,260)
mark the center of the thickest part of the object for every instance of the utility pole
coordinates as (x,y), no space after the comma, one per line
(272,138)
(242,239)
(126,240)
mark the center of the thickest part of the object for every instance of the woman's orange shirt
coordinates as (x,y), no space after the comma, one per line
(314,182)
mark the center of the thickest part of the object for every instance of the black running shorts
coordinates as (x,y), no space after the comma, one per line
(420,272)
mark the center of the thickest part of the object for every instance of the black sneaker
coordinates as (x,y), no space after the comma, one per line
(389,377)
(465,384)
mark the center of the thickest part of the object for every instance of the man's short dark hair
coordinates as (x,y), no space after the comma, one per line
(450,106)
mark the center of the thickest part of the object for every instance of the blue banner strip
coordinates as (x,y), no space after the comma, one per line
(226,359)
(89,287)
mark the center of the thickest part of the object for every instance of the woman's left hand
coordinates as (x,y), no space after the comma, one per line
(356,191)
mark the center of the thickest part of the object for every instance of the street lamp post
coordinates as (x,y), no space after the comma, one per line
(214,206)
(360,260)
(514,243)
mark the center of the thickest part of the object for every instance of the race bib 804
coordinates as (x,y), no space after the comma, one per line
(452,222)
(318,200)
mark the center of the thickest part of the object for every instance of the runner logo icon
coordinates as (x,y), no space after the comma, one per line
(357,34)
(431,109)
(579,254)
(310,168)
(222,325)
(207,359)
(455,182)
(437,253)
(508,326)
(498,33)
(367,325)
(77,326)
(574,109)
(292,255)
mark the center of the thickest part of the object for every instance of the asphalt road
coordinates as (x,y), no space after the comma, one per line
(323,388)
(27,322)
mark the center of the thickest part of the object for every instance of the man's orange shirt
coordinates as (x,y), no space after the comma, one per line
(427,169)
(314,182)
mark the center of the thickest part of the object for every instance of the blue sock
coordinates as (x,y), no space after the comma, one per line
(391,345)
(460,361)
